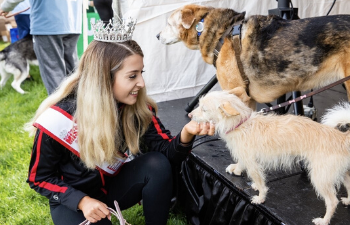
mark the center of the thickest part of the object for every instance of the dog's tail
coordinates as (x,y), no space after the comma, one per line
(338,117)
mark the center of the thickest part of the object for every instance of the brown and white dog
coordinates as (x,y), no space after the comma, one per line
(263,142)
(271,56)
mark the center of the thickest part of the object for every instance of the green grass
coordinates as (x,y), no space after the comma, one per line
(18,203)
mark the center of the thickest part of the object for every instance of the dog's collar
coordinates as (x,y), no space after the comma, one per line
(200,26)
(234,30)
(240,123)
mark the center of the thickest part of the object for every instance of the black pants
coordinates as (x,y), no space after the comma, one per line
(104,9)
(147,177)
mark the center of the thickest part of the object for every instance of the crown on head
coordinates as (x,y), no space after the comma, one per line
(117,30)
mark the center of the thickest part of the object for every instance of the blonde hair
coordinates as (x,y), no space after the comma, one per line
(100,134)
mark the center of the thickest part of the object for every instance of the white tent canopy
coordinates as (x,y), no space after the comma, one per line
(174,71)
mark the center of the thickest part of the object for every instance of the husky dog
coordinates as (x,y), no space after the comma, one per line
(262,142)
(270,56)
(15,60)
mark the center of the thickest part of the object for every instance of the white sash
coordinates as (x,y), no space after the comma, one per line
(59,125)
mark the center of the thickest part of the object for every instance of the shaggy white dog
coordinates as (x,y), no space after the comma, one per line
(262,142)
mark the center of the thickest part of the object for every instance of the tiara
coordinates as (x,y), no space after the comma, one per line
(117,30)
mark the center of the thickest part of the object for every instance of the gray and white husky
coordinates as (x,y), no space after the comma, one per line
(15,60)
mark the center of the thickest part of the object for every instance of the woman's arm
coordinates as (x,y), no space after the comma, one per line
(44,175)
(176,149)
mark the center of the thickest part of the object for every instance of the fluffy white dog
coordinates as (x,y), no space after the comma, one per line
(261,142)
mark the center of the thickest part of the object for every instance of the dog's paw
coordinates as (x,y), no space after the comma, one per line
(230,168)
(257,199)
(320,221)
(255,188)
(233,168)
(345,201)
(19,90)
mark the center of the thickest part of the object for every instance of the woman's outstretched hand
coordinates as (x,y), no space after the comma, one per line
(193,128)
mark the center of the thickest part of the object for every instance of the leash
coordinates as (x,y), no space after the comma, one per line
(117,213)
(265,110)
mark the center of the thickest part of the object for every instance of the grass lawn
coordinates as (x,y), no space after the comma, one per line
(19,203)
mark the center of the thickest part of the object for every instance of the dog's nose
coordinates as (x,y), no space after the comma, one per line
(158,36)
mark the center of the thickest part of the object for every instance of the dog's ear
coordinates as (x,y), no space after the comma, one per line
(240,93)
(187,17)
(226,109)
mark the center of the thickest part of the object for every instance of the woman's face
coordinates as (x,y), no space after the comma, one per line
(129,80)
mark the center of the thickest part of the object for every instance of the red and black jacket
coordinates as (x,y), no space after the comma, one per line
(58,174)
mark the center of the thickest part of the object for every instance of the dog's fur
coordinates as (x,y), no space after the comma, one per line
(264,142)
(277,56)
(15,60)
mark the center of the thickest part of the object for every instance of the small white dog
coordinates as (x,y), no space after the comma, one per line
(260,142)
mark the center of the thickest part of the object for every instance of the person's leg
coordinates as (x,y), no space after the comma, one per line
(49,51)
(61,215)
(23,25)
(70,52)
(104,9)
(147,177)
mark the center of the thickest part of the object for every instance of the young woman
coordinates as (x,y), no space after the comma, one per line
(82,134)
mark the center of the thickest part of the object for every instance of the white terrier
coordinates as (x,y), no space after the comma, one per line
(260,142)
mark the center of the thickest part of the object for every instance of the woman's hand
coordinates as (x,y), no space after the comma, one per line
(193,128)
(93,209)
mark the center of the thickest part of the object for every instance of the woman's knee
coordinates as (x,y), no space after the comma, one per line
(159,177)
(158,167)
(157,161)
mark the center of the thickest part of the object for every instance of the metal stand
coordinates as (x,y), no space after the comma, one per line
(283,10)
(287,13)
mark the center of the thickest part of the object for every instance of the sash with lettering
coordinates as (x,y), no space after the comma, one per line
(59,125)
